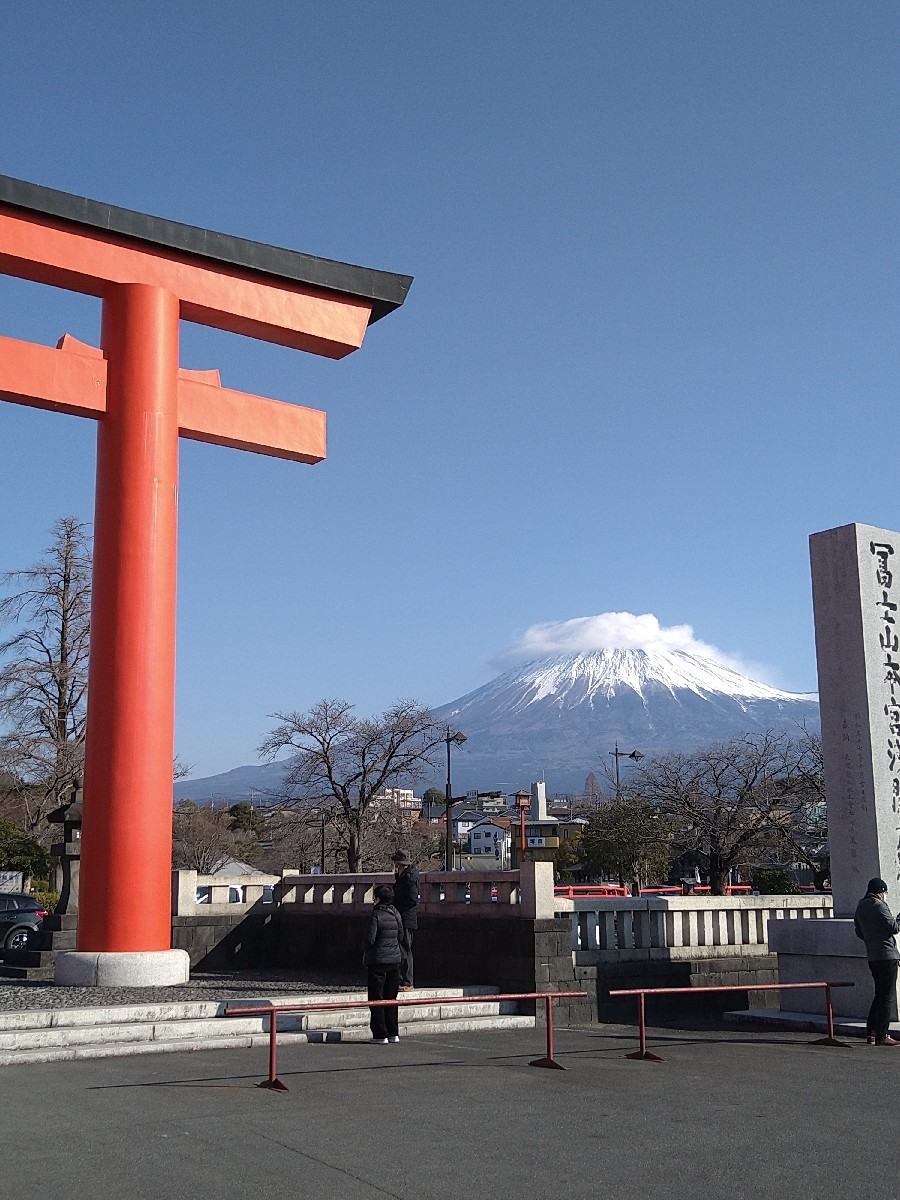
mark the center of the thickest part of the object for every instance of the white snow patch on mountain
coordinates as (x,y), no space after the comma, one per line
(604,673)
(572,680)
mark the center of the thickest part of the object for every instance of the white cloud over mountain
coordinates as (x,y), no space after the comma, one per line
(614,631)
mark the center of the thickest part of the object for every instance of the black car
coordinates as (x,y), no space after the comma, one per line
(20,919)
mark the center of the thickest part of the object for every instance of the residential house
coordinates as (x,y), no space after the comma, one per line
(488,845)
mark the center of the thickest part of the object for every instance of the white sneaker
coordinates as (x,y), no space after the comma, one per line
(380,1041)
(394,1039)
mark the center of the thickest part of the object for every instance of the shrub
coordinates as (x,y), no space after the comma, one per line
(46,898)
(775,881)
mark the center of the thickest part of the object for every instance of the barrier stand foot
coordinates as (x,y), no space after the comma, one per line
(274,1085)
(548,1060)
(830,1040)
(642,1026)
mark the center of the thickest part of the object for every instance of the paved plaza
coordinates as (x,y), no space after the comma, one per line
(743,1115)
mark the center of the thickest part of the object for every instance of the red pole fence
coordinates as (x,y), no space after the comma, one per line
(649,1056)
(272,1010)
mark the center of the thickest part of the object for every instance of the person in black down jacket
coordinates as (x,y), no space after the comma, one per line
(382,955)
(875,925)
(406,898)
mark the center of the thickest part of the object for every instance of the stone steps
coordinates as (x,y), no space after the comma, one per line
(38,962)
(54,1035)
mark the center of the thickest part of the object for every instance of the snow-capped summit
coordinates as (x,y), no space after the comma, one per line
(561,714)
(573,679)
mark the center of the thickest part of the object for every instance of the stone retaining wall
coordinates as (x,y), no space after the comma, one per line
(604,977)
(222,942)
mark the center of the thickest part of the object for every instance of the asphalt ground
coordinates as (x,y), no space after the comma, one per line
(742,1115)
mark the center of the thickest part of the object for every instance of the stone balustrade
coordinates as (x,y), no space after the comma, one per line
(443,893)
(621,929)
(219,893)
(680,927)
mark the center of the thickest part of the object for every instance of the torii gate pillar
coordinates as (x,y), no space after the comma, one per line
(151,274)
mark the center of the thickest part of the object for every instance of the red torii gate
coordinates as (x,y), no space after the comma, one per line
(150,273)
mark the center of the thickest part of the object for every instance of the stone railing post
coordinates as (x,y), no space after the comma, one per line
(184,893)
(536,883)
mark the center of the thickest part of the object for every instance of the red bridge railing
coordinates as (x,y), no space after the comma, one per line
(644,1053)
(272,1011)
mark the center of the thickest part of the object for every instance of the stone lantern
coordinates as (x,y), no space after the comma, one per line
(68,851)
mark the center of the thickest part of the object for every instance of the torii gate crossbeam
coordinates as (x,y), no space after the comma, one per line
(150,274)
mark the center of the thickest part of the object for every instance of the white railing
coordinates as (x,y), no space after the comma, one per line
(656,927)
(649,927)
(443,893)
(220,895)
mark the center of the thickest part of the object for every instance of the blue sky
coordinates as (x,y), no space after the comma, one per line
(652,342)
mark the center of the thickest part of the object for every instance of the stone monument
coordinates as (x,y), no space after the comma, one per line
(856,596)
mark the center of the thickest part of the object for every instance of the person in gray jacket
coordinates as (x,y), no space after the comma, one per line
(382,954)
(876,927)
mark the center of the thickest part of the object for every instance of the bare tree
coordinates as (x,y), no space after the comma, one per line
(807,834)
(342,765)
(43,672)
(629,839)
(204,840)
(294,839)
(309,836)
(734,802)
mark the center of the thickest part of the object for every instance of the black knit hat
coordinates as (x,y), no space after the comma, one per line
(877,886)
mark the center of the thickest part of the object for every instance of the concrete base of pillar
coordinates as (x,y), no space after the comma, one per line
(149,968)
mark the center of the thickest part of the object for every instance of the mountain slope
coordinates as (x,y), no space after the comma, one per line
(558,718)
(562,715)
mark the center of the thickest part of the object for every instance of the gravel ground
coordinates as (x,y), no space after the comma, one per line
(18,995)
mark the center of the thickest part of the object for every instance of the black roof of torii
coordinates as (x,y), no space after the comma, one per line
(385,289)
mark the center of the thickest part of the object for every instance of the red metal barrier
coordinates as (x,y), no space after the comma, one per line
(590,891)
(272,1011)
(607,891)
(644,1053)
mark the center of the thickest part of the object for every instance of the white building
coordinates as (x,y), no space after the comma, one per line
(489,844)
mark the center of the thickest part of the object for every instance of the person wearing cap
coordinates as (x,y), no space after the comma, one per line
(406,899)
(876,927)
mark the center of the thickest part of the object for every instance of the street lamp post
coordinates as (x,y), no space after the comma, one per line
(458,738)
(522,804)
(617,754)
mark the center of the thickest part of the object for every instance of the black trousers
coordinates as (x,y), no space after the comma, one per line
(884,973)
(384,983)
(406,967)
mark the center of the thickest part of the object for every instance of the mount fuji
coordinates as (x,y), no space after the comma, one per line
(558,717)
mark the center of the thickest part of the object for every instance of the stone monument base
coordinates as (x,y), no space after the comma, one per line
(829,951)
(151,968)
